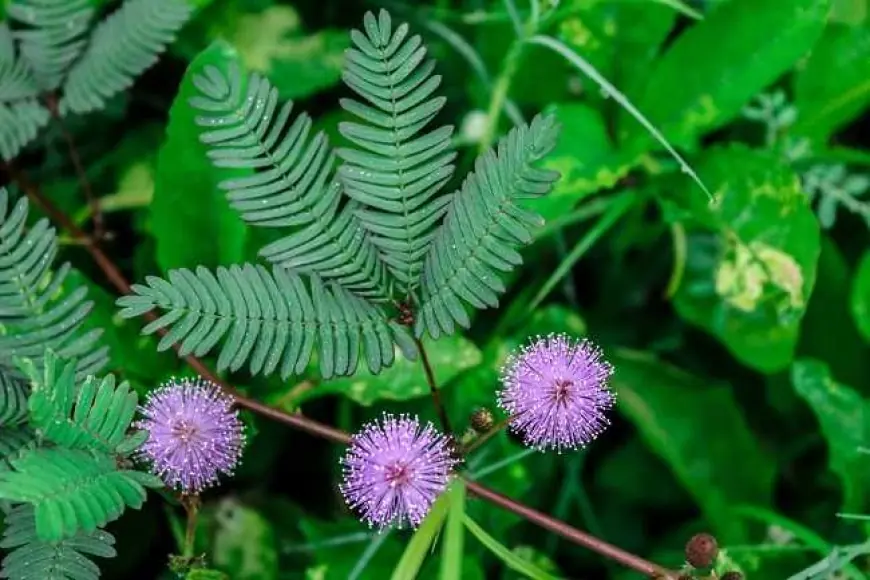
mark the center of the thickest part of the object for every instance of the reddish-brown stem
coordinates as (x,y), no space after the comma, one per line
(433,388)
(92,200)
(113,274)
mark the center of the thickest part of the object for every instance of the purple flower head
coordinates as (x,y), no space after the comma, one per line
(556,392)
(194,434)
(394,470)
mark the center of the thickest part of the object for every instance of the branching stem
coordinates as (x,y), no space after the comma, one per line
(433,388)
(92,200)
(317,429)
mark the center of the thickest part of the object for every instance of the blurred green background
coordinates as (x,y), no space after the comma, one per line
(739,330)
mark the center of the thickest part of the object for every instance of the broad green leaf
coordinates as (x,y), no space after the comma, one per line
(405,379)
(621,40)
(698,429)
(585,158)
(713,69)
(852,12)
(191,220)
(300,65)
(423,538)
(860,298)
(656,489)
(271,41)
(244,543)
(831,312)
(751,261)
(844,416)
(834,87)
(503,553)
(452,548)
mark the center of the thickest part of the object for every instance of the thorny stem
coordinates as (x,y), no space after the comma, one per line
(191,505)
(433,388)
(92,200)
(318,429)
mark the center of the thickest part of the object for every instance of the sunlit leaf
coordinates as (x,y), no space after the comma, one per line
(751,262)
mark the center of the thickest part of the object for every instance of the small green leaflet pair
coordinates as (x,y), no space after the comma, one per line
(448,515)
(367,240)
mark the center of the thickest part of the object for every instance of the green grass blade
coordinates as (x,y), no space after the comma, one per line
(617,209)
(504,554)
(454,534)
(421,542)
(682,8)
(586,68)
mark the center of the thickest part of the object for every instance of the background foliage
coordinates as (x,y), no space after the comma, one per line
(739,329)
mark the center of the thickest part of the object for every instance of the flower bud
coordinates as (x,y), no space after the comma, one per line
(701,551)
(482,420)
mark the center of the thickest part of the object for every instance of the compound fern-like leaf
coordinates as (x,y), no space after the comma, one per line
(13,440)
(34,311)
(94,415)
(484,227)
(54,37)
(21,113)
(72,489)
(121,47)
(396,169)
(13,400)
(30,558)
(294,185)
(267,318)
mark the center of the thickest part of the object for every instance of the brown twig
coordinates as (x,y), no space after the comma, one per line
(113,274)
(92,200)
(433,388)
